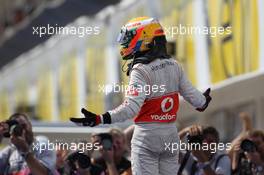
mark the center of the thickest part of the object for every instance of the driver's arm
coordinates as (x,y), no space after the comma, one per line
(134,98)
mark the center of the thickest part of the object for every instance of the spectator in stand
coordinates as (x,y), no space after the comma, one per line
(113,158)
(23,155)
(204,162)
(61,155)
(247,152)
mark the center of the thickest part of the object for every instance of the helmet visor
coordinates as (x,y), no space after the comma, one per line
(125,36)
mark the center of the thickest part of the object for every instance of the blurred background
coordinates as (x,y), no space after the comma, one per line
(51,77)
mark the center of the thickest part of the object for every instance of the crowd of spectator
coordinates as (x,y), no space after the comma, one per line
(14,12)
(245,156)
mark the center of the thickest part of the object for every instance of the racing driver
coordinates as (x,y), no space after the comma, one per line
(143,42)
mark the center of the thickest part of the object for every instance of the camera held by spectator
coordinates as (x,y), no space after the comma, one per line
(79,163)
(14,128)
(112,152)
(249,161)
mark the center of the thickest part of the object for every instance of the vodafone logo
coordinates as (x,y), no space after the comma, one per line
(167,104)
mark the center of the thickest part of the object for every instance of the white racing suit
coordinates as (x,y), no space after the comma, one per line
(153,102)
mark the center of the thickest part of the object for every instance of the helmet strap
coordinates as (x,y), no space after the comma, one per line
(130,65)
(123,66)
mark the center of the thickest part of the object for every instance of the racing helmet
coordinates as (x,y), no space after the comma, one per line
(137,35)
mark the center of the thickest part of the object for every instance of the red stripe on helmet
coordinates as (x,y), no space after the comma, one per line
(159,31)
(135,39)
